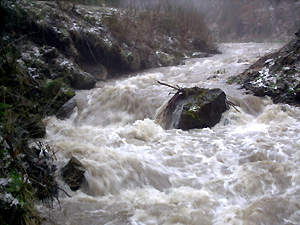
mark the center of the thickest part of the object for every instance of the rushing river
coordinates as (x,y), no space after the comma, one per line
(245,170)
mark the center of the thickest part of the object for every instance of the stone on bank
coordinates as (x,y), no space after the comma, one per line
(73,174)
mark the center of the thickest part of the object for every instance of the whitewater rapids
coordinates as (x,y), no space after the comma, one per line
(245,170)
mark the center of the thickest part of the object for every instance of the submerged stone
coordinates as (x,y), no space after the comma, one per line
(67,109)
(73,174)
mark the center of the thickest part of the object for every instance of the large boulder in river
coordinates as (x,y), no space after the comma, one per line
(195,108)
(73,174)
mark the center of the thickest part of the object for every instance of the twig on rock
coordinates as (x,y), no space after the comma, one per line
(232,104)
(168,85)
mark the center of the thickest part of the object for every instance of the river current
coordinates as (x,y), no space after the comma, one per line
(245,170)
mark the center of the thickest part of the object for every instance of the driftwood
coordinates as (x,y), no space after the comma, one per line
(232,104)
(168,85)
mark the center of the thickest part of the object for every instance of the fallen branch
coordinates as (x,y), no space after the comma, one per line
(233,105)
(64,192)
(183,91)
(168,85)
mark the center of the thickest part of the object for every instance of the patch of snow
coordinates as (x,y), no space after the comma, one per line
(32,72)
(56,30)
(271,62)
(196,54)
(3,181)
(75,26)
(31,69)
(9,198)
(37,51)
(186,56)
(194,108)
(21,62)
(265,78)
(40,21)
(67,63)
(108,41)
(5,38)
(26,56)
(93,30)
(258,83)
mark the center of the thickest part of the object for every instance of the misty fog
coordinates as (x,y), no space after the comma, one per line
(232,20)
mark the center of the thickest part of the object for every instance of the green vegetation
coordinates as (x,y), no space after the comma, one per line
(43,59)
(26,171)
(23,179)
(220,71)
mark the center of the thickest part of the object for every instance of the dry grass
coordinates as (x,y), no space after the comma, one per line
(160,25)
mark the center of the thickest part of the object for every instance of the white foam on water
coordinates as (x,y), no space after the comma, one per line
(245,170)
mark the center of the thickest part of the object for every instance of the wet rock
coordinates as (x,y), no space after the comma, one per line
(67,109)
(212,77)
(195,108)
(83,80)
(73,174)
(297,92)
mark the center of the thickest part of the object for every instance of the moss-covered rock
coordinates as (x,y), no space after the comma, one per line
(83,80)
(195,107)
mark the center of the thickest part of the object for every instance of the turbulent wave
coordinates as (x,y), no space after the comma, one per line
(245,170)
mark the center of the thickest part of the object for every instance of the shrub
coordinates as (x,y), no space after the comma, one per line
(26,172)
(156,25)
